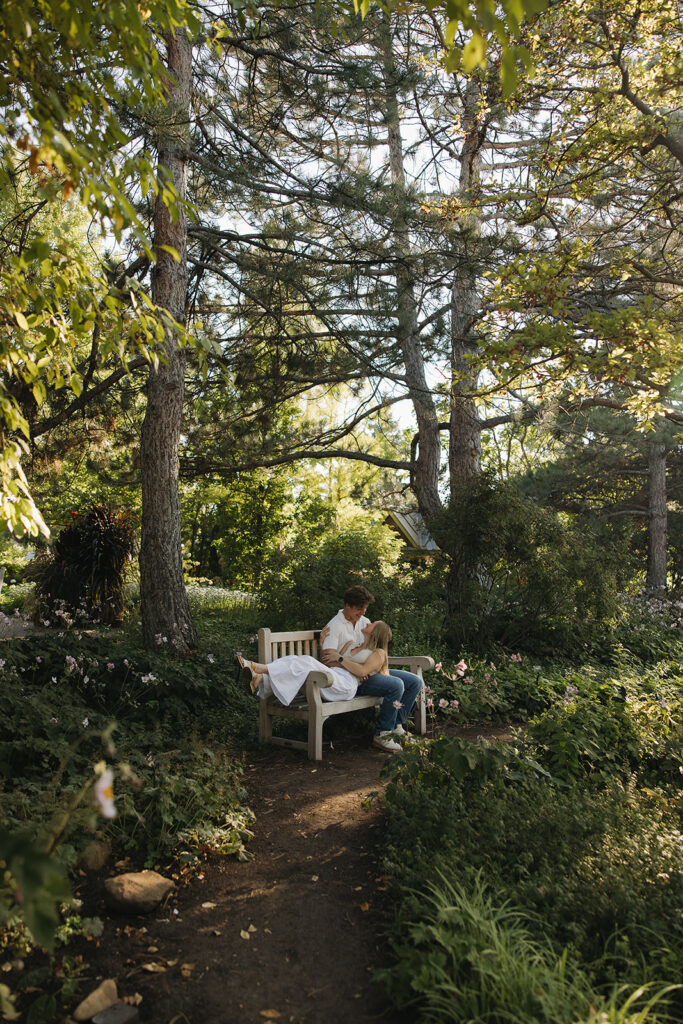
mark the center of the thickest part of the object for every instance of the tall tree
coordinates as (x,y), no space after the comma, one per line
(164,603)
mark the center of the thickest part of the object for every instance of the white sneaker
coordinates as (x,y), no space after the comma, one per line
(399,730)
(384,741)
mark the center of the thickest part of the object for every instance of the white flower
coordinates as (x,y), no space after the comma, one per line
(85,723)
(104,793)
(210,658)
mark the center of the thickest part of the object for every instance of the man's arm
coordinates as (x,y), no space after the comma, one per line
(329,637)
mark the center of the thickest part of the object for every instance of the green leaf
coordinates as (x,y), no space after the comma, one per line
(474,52)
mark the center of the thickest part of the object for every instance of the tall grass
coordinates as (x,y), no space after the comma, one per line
(474,961)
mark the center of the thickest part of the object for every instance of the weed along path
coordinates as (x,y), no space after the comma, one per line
(292,935)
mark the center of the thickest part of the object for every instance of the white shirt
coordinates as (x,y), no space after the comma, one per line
(341,631)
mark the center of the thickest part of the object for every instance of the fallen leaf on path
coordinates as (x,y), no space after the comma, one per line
(358,888)
(186,970)
(270,1014)
(172,963)
(216,931)
(152,949)
(208,905)
(134,1000)
(267,931)
(364,906)
(154,968)
(252,929)
(244,935)
(285,797)
(314,878)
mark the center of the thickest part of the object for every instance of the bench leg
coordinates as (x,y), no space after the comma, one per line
(420,710)
(315,737)
(265,723)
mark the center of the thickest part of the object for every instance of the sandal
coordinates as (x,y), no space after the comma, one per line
(247,676)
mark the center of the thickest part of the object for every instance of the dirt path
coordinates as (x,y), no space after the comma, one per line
(310,903)
(312,895)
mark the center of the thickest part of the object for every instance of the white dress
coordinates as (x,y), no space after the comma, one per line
(287,675)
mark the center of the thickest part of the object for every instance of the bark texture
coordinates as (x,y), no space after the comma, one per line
(164,605)
(464,453)
(425,471)
(657,525)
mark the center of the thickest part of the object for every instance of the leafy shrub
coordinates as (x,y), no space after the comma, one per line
(521,576)
(647,628)
(598,870)
(479,691)
(304,585)
(590,731)
(469,957)
(84,573)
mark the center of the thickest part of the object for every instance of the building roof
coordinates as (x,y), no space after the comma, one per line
(412,529)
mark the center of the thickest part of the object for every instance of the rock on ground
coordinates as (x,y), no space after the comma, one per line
(137,892)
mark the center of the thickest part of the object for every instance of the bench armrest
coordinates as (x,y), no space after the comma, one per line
(414,660)
(323,679)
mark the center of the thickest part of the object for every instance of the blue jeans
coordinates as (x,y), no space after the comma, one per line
(399,686)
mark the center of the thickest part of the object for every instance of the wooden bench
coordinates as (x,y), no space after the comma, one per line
(309,705)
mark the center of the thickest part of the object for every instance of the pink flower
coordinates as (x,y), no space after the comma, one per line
(398,704)
(437,667)
(461,667)
(443,703)
(487,676)
(493,667)
(430,702)
(467,679)
(455,704)
(516,657)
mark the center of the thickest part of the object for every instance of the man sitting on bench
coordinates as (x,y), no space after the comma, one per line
(398,689)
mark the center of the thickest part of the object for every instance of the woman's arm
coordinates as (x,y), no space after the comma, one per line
(373,664)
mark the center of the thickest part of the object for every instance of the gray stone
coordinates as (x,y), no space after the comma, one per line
(99,999)
(119,1013)
(137,892)
(95,855)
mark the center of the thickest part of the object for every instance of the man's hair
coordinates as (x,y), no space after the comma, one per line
(358,597)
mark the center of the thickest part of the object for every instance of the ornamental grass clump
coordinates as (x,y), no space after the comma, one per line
(470,958)
(83,576)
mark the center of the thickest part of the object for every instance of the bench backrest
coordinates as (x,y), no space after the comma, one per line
(276,645)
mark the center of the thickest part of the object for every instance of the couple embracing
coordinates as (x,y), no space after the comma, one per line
(354,650)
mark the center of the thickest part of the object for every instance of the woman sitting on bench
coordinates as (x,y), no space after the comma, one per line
(284,677)
(356,671)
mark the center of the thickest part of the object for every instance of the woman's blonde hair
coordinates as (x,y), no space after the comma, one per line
(380,638)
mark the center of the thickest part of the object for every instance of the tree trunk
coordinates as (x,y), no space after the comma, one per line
(464,452)
(427,457)
(164,604)
(463,584)
(656,547)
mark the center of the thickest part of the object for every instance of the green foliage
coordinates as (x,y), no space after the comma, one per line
(33,886)
(67,74)
(647,628)
(304,584)
(470,957)
(85,570)
(521,577)
(578,827)
(591,731)
(59,697)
